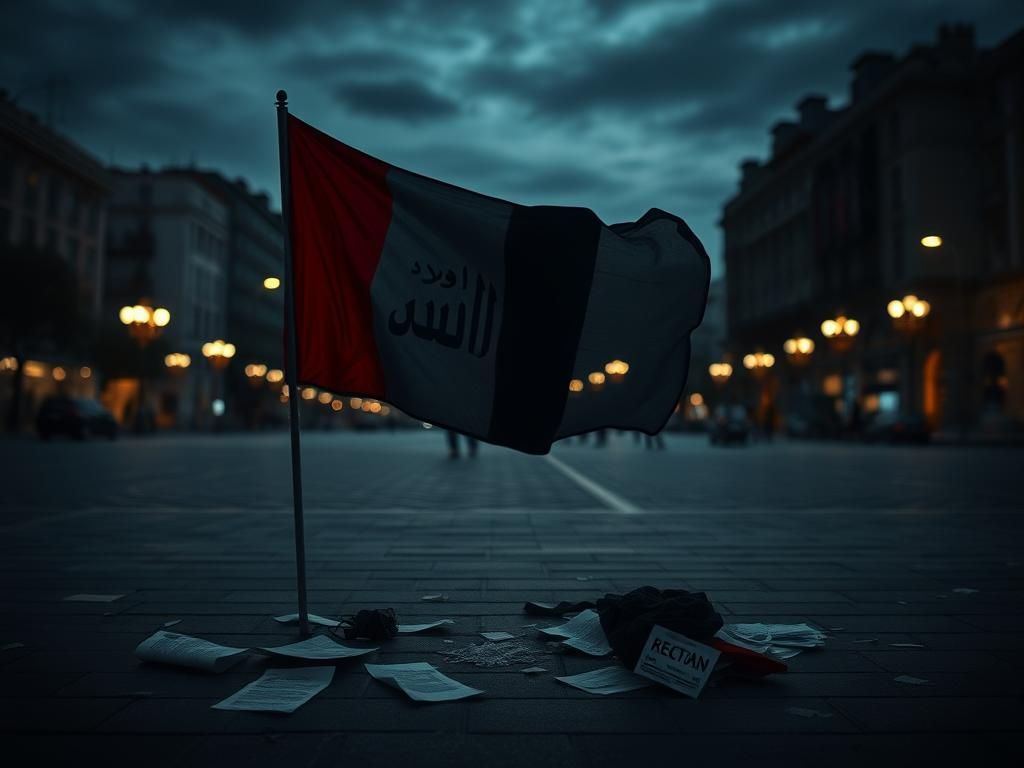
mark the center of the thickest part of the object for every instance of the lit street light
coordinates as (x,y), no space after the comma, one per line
(177,362)
(144,322)
(960,389)
(720,373)
(758,363)
(840,331)
(271,283)
(798,350)
(219,353)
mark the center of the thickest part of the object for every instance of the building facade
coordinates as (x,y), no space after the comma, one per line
(835,225)
(53,198)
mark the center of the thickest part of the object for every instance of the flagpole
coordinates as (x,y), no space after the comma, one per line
(291,363)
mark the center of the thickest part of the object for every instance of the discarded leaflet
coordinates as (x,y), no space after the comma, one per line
(675,660)
(279,690)
(411,629)
(606,681)
(583,632)
(779,641)
(317,648)
(186,651)
(293,618)
(421,681)
(435,598)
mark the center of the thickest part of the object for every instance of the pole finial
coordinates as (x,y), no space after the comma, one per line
(282,98)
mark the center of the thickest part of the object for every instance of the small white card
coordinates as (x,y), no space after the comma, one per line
(671,659)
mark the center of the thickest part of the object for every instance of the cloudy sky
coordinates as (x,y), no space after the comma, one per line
(617,106)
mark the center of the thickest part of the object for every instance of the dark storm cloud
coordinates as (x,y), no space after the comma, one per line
(621,106)
(406,99)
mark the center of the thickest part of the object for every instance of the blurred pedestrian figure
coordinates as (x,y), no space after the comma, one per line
(453,444)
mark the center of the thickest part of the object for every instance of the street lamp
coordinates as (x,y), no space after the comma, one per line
(144,322)
(177,362)
(720,373)
(758,363)
(936,241)
(840,331)
(798,350)
(219,353)
(271,283)
(906,313)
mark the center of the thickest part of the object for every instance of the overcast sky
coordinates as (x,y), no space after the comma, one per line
(619,107)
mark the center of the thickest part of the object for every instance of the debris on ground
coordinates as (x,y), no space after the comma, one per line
(279,690)
(905,645)
(505,654)
(186,651)
(533,670)
(606,681)
(584,633)
(497,637)
(435,598)
(421,681)
(411,629)
(911,680)
(965,591)
(293,618)
(533,608)
(171,623)
(866,640)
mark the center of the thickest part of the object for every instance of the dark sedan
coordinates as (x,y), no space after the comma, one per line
(76,417)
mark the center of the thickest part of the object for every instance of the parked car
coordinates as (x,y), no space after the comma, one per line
(76,417)
(729,424)
(896,428)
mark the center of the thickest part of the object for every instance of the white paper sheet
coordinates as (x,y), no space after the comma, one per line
(90,598)
(317,648)
(279,690)
(187,651)
(780,641)
(410,629)
(421,681)
(606,681)
(293,618)
(676,661)
(583,632)
(497,636)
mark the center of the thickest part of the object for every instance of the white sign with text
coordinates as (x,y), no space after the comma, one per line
(677,661)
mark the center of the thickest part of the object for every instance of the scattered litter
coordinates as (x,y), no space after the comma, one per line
(866,640)
(435,598)
(171,623)
(186,651)
(965,591)
(555,609)
(447,641)
(779,641)
(911,680)
(784,654)
(506,654)
(676,661)
(279,690)
(317,648)
(11,646)
(411,629)
(606,681)
(807,712)
(293,618)
(89,598)
(584,633)
(421,681)
(902,602)
(533,670)
(497,636)
(905,645)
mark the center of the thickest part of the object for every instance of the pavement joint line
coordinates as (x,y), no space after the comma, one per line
(595,489)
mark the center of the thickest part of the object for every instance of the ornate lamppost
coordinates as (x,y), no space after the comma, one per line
(219,354)
(145,323)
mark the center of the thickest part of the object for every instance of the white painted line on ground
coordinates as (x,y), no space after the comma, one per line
(596,490)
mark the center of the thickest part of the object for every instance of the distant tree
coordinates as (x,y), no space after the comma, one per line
(38,309)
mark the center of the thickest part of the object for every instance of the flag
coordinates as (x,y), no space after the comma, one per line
(519,325)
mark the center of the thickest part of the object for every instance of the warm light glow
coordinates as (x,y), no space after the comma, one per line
(851,327)
(271,283)
(126,315)
(830,328)
(384,410)
(161,317)
(9,364)
(749,361)
(909,301)
(140,314)
(576,385)
(366,406)
(337,405)
(218,348)
(931,241)
(921,308)
(832,385)
(595,378)
(840,326)
(275,375)
(255,370)
(284,391)
(177,360)
(696,399)
(59,374)
(356,402)
(767,359)
(375,407)
(308,393)
(720,371)
(804,345)
(895,309)
(789,346)
(34,370)
(85,371)
(325,397)
(616,367)
(758,360)
(229,350)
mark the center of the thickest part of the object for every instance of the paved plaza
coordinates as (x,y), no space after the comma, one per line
(878,545)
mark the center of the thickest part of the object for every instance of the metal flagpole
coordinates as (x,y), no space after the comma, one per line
(291,364)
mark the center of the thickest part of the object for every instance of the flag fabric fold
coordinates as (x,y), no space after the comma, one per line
(519,325)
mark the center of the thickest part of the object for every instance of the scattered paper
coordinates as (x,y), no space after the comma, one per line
(605,681)
(902,602)
(293,618)
(784,654)
(807,712)
(780,641)
(583,632)
(88,598)
(676,661)
(905,645)
(911,680)
(11,646)
(186,651)
(317,648)
(533,670)
(490,654)
(171,623)
(435,598)
(965,591)
(410,629)
(279,690)
(421,681)
(497,636)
